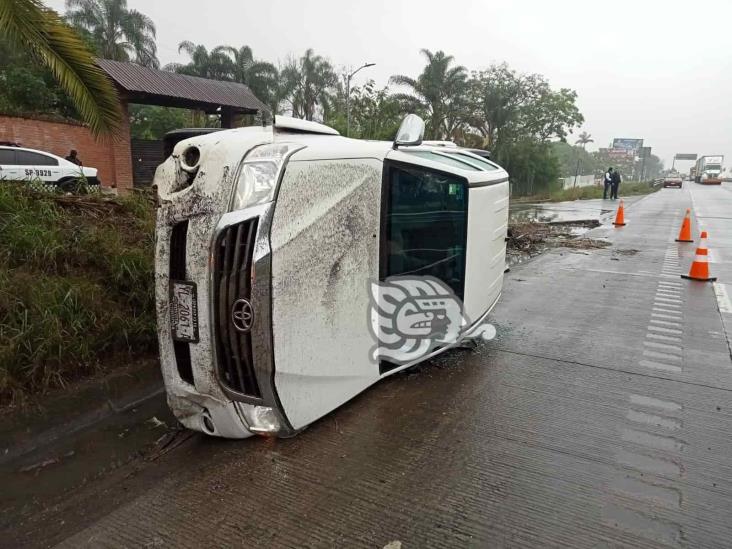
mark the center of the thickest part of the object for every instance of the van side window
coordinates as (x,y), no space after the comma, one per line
(425,225)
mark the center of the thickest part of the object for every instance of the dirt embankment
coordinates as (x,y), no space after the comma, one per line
(76,287)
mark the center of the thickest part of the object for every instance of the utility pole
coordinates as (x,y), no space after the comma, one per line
(348,96)
(576,172)
(643,167)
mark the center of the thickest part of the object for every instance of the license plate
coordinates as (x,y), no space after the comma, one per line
(183,311)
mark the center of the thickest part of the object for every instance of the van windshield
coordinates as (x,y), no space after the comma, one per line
(426,225)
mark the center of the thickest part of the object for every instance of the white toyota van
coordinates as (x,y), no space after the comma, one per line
(272,245)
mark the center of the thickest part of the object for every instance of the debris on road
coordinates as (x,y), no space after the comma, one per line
(533,238)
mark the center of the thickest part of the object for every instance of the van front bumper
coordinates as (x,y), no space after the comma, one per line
(197,392)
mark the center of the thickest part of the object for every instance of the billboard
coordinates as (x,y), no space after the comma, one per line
(620,154)
(685,156)
(713,159)
(627,144)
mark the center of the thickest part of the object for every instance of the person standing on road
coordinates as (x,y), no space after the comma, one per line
(608,180)
(616,179)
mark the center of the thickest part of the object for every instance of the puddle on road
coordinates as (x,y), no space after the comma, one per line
(534,228)
(553,212)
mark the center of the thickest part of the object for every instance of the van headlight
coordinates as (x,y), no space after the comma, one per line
(260,173)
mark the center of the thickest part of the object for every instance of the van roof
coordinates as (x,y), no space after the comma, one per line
(324,143)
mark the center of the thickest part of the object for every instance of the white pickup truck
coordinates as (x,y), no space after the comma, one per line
(296,267)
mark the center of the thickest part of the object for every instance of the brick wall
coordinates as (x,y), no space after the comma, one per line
(112,157)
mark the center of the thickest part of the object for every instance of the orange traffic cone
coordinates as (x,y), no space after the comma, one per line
(620,216)
(685,232)
(700,266)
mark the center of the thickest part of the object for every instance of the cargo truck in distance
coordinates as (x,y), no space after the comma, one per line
(708,170)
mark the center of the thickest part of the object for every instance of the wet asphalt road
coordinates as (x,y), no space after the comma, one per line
(600,417)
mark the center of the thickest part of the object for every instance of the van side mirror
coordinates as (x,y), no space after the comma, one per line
(411,131)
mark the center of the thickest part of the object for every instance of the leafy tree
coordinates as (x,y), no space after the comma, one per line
(583,139)
(568,157)
(24,89)
(215,64)
(29,26)
(375,114)
(532,166)
(261,77)
(307,84)
(507,105)
(495,98)
(152,122)
(439,91)
(118,33)
(549,114)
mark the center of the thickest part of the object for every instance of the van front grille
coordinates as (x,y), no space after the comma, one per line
(233,313)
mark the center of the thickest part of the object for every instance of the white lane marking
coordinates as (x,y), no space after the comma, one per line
(667,304)
(667,317)
(668,291)
(723,302)
(661,356)
(672,302)
(666,405)
(664,330)
(670,423)
(659,442)
(647,491)
(634,523)
(669,311)
(654,465)
(666,323)
(659,366)
(664,338)
(668,299)
(663,346)
(670,283)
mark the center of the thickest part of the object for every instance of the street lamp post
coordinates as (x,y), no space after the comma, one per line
(348,96)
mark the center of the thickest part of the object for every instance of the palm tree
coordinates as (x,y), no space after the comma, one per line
(439,90)
(29,25)
(583,139)
(261,77)
(215,64)
(307,84)
(117,32)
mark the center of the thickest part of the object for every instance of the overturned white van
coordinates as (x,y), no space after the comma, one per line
(272,243)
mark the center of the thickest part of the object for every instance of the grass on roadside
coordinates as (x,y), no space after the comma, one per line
(76,287)
(585,193)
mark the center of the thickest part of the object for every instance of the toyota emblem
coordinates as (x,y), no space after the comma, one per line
(242,315)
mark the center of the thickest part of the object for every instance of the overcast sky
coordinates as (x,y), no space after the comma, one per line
(651,69)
